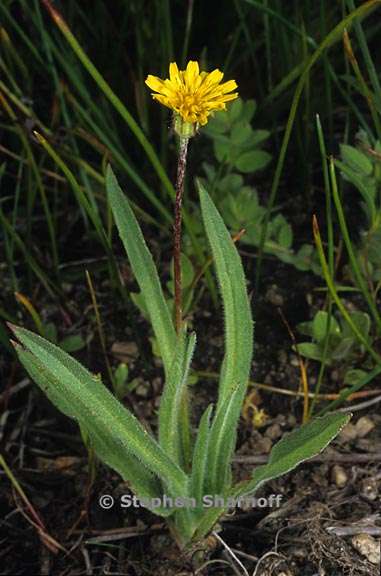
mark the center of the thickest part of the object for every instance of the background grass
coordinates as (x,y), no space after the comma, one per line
(72,98)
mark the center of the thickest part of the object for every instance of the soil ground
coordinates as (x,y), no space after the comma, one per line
(326,505)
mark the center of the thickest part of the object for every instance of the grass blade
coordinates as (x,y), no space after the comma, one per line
(351,253)
(334,36)
(110,94)
(331,287)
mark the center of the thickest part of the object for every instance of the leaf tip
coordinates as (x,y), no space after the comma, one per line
(109,173)
(15,344)
(315,226)
(12,327)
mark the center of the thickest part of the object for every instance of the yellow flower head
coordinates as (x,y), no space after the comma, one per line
(191,93)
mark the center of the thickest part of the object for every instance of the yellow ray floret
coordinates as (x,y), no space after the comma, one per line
(191,93)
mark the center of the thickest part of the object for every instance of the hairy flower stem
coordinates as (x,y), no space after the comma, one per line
(181,166)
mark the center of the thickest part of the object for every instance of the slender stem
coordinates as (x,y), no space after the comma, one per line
(181,166)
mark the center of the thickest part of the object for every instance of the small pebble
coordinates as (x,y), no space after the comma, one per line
(142,390)
(281,419)
(260,444)
(363,426)
(273,296)
(125,351)
(367,546)
(274,432)
(348,433)
(157,384)
(369,489)
(339,476)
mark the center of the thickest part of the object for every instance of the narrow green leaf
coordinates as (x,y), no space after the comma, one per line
(200,463)
(170,405)
(221,443)
(238,319)
(238,342)
(139,477)
(77,392)
(144,269)
(355,385)
(207,522)
(294,448)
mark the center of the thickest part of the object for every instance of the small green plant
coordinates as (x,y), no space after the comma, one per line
(343,346)
(179,466)
(361,166)
(236,144)
(237,149)
(175,465)
(71,343)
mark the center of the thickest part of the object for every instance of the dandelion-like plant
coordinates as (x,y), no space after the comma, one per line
(186,475)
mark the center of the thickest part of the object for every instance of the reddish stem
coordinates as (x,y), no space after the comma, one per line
(181,166)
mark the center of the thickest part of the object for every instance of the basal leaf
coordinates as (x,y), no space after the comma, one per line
(200,464)
(294,448)
(238,340)
(140,478)
(81,395)
(222,439)
(238,319)
(170,405)
(143,267)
